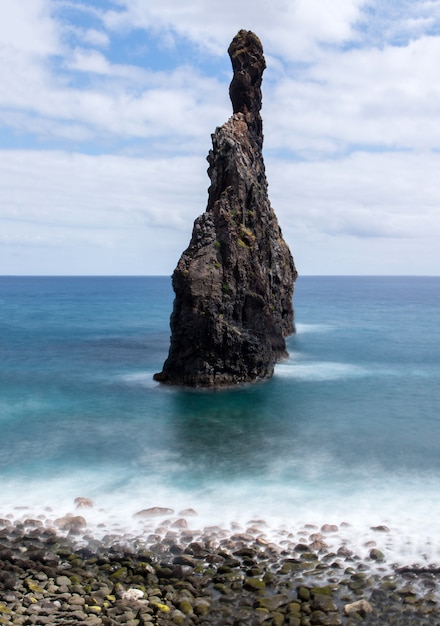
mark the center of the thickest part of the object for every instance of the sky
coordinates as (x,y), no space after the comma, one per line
(107,109)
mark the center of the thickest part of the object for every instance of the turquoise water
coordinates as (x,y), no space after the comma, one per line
(347,429)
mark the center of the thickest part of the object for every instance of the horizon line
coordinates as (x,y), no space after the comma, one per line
(170,275)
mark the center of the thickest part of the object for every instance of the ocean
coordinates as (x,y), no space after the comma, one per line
(347,432)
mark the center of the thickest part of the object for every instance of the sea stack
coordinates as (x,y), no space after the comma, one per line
(234,283)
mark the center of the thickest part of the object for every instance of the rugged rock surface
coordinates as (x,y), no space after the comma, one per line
(234,282)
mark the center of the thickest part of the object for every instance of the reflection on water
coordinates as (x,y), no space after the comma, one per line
(225,433)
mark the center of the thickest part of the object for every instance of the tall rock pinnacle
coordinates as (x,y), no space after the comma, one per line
(234,283)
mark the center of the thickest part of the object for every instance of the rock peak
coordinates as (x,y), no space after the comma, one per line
(248,64)
(234,283)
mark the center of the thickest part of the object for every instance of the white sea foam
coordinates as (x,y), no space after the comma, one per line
(319,370)
(302,328)
(138,379)
(408,512)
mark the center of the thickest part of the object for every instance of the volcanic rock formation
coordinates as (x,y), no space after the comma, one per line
(234,283)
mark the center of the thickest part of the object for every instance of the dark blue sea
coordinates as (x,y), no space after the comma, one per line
(347,430)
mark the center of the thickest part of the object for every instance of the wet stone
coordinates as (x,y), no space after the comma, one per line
(324,603)
(220,587)
(254,584)
(377,555)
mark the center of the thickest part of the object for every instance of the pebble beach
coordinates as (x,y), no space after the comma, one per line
(60,570)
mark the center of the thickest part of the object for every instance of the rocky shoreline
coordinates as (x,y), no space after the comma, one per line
(56,572)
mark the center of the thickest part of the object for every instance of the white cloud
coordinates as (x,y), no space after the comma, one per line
(365,195)
(342,98)
(365,213)
(357,97)
(45,129)
(95,62)
(90,36)
(50,90)
(343,78)
(99,192)
(388,97)
(26,26)
(125,105)
(313,22)
(124,215)
(290,27)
